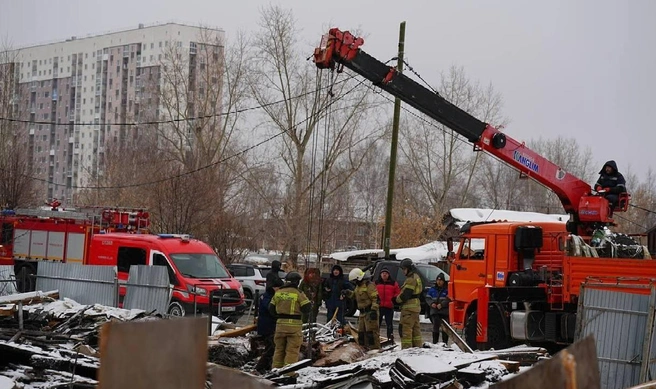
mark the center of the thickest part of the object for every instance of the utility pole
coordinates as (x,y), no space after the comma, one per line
(395,140)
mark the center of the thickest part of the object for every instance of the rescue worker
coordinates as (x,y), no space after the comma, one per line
(286,306)
(266,328)
(366,297)
(610,183)
(410,306)
(273,279)
(438,300)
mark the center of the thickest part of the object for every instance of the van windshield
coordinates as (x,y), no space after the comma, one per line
(200,265)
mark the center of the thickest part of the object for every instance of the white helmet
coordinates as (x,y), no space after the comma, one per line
(356,274)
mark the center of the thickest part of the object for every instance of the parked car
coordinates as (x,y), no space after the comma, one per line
(427,273)
(251,277)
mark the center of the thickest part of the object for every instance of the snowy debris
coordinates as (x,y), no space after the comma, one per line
(440,363)
(58,341)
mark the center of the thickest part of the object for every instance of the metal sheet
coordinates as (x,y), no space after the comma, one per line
(85,284)
(22,243)
(75,248)
(6,274)
(148,288)
(618,321)
(55,249)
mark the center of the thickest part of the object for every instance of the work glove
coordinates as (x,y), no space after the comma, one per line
(597,188)
(373,315)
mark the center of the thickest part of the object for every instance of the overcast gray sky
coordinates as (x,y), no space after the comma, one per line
(584,69)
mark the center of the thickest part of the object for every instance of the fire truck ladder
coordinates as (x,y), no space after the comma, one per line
(55,214)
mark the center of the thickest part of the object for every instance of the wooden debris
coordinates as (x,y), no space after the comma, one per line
(29,297)
(347,353)
(511,366)
(576,366)
(237,331)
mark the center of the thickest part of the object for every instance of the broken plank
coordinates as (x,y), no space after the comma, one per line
(472,376)
(511,366)
(29,297)
(237,332)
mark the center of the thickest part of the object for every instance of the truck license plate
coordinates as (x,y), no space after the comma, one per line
(228,309)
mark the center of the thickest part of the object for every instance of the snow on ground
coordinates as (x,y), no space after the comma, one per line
(6,383)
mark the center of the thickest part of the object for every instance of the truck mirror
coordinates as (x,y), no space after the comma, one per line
(449,244)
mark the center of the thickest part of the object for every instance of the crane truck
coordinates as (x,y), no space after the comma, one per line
(510,282)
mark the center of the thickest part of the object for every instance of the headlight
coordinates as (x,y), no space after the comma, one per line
(197,290)
(241,290)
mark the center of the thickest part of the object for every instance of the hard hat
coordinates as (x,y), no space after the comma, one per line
(406,264)
(293,278)
(356,275)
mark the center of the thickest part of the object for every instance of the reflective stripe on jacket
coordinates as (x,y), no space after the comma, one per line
(366,296)
(288,302)
(412,288)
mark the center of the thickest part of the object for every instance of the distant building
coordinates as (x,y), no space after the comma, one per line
(79,95)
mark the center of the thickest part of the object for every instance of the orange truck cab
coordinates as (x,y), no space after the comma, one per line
(195,271)
(519,282)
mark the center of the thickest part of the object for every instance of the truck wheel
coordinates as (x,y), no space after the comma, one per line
(496,334)
(176,309)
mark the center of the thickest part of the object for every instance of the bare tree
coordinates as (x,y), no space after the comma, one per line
(16,181)
(437,161)
(311,105)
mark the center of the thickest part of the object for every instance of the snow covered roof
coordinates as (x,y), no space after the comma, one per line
(430,252)
(463,215)
(345,255)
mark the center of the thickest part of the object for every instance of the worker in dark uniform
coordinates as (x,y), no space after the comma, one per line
(273,279)
(366,297)
(438,300)
(410,306)
(266,328)
(610,183)
(286,306)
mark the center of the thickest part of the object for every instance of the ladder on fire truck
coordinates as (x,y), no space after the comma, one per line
(113,217)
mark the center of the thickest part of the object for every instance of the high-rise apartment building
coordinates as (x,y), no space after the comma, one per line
(79,95)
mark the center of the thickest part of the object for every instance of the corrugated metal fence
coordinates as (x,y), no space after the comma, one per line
(7,280)
(623,326)
(85,284)
(147,286)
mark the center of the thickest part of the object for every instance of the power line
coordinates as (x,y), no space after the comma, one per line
(170,121)
(332,101)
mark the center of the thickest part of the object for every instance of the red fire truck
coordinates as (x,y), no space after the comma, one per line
(121,238)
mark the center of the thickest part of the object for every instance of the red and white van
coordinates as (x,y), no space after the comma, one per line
(195,271)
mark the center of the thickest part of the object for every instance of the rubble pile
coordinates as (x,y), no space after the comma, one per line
(431,366)
(49,343)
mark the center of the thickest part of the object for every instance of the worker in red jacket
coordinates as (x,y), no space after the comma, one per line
(388,289)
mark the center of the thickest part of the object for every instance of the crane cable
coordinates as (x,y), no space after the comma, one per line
(324,170)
